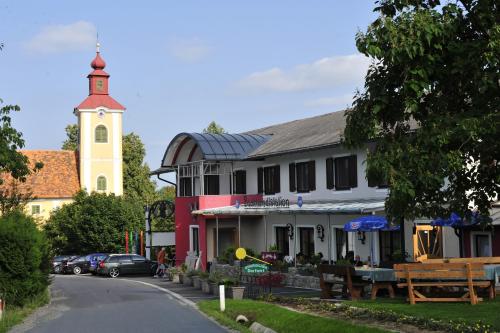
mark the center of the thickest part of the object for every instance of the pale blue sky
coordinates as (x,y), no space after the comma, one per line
(178,65)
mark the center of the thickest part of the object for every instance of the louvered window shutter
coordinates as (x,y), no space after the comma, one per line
(329,173)
(312,175)
(260,180)
(353,171)
(277,179)
(291,176)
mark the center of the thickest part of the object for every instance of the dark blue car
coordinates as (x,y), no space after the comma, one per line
(95,259)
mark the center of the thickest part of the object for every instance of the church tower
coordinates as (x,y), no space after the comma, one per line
(100,134)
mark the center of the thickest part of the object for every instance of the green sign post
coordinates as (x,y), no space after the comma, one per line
(255,268)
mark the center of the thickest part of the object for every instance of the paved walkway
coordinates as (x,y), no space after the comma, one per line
(196,295)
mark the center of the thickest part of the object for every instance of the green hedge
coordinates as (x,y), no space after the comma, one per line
(24,259)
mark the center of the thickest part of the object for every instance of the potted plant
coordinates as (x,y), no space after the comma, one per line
(195,277)
(214,280)
(188,277)
(182,272)
(233,285)
(173,273)
(205,287)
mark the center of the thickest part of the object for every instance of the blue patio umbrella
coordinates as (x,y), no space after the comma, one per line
(369,223)
(458,224)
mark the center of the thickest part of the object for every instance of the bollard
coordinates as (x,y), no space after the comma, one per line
(222,296)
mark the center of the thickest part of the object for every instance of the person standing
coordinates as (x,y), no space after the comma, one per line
(160,271)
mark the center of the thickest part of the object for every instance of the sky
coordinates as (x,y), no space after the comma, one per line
(177,65)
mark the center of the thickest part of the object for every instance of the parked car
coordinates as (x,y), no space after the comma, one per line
(95,259)
(76,266)
(122,264)
(57,261)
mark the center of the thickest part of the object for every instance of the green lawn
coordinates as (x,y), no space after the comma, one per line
(278,318)
(487,311)
(15,315)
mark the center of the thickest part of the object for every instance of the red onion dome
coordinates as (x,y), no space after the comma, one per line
(98,62)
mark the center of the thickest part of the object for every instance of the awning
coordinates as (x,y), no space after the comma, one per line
(319,208)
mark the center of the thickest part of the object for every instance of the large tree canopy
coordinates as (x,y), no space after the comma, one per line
(94,223)
(430,101)
(214,128)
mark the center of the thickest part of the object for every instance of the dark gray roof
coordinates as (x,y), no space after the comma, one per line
(225,147)
(303,134)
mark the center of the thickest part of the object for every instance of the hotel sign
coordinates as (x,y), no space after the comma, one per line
(255,268)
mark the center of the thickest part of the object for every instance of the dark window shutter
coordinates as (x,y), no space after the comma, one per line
(329,173)
(312,175)
(353,171)
(277,179)
(291,175)
(336,172)
(260,180)
(372,182)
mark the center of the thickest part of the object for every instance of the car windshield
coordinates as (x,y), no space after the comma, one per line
(59,258)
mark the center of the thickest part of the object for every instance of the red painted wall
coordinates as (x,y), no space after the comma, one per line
(184,218)
(495,240)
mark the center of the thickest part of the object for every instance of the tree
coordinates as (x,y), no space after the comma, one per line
(12,198)
(214,128)
(430,102)
(164,224)
(94,222)
(71,142)
(136,182)
(12,161)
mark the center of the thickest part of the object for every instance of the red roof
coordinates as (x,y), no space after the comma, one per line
(95,101)
(57,179)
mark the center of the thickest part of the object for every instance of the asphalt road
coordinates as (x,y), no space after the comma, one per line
(96,304)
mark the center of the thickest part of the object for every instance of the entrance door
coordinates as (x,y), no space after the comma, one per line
(227,239)
(427,242)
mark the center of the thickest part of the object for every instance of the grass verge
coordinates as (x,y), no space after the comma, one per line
(486,311)
(14,315)
(277,318)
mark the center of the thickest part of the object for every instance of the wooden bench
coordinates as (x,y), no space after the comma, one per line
(443,275)
(346,278)
(481,260)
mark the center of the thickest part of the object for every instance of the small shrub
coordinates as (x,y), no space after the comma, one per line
(24,259)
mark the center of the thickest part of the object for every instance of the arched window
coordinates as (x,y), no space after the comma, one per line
(101,134)
(102,183)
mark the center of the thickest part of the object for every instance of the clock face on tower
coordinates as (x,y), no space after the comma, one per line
(99,85)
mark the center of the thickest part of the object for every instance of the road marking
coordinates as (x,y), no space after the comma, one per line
(171,293)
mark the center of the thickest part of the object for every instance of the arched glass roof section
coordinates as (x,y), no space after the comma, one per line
(213,147)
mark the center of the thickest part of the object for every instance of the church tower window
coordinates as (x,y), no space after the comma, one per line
(102,183)
(101,134)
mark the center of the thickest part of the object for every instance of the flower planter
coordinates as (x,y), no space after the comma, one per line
(214,288)
(181,278)
(188,280)
(197,282)
(237,292)
(205,287)
(175,278)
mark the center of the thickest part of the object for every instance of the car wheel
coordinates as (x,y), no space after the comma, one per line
(114,272)
(77,270)
(57,269)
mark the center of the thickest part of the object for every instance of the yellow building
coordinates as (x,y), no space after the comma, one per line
(96,166)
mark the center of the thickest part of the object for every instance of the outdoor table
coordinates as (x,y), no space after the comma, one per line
(381,278)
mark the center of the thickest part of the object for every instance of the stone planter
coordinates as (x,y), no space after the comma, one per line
(237,292)
(197,282)
(214,288)
(175,278)
(181,278)
(188,280)
(205,287)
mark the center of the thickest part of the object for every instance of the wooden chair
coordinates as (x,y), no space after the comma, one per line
(443,275)
(346,279)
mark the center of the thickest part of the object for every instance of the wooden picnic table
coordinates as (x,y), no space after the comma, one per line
(380,278)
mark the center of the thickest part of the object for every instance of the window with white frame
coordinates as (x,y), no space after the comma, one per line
(194,240)
(35,209)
